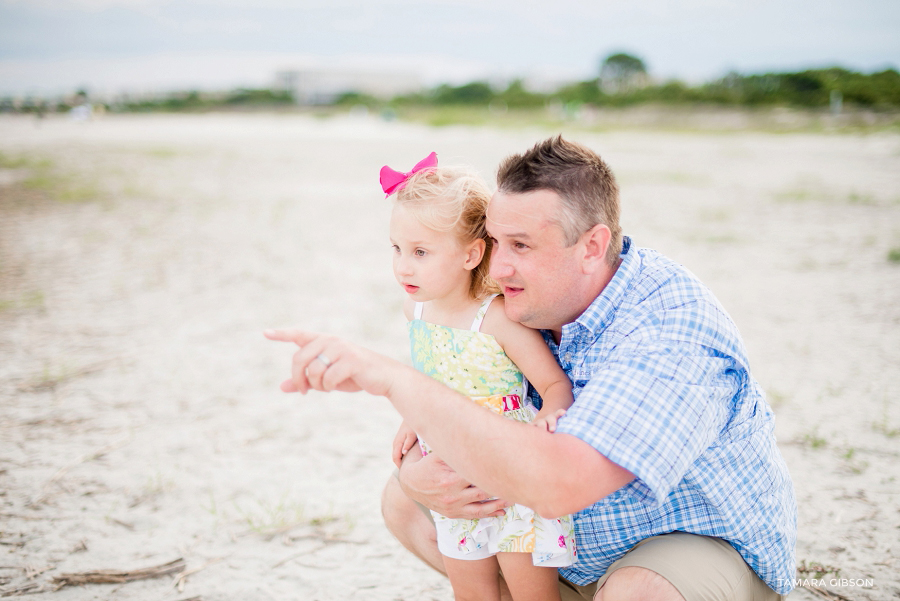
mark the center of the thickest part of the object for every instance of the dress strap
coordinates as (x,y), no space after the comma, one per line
(417,312)
(482,311)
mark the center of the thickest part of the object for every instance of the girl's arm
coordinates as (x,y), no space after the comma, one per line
(527,349)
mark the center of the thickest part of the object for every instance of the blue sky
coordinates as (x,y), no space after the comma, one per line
(54,45)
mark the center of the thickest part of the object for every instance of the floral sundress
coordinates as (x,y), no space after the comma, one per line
(473,363)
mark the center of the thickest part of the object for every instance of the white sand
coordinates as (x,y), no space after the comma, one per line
(145,309)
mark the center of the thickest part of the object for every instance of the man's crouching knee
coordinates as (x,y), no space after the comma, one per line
(411,524)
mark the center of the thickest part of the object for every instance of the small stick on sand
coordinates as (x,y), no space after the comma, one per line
(181,578)
(28,589)
(122,524)
(118,576)
(32,572)
(293,556)
(323,542)
(825,593)
(27,517)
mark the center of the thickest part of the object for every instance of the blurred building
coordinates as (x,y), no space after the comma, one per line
(324,86)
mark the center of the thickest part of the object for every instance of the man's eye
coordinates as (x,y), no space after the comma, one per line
(519,245)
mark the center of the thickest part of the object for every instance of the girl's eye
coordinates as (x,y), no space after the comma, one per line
(420,252)
(396,248)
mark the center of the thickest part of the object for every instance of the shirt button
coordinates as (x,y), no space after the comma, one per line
(568,357)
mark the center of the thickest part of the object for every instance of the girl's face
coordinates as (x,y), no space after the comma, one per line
(429,264)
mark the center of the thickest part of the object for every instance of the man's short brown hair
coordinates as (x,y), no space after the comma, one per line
(583,181)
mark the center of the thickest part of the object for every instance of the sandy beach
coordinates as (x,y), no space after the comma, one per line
(141,257)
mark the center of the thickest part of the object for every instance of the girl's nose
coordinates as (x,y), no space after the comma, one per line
(402,267)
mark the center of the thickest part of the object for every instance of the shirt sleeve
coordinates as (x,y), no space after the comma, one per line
(654,409)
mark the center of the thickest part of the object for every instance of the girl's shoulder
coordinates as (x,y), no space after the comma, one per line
(498,325)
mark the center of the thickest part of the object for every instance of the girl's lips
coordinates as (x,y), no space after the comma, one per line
(410,289)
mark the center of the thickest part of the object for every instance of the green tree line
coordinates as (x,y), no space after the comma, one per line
(622,81)
(814,88)
(173,102)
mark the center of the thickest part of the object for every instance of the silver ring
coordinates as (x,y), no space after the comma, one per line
(324,360)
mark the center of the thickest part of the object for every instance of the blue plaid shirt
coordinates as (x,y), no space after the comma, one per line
(663,388)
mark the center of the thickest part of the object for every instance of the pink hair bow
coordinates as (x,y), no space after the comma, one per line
(394,181)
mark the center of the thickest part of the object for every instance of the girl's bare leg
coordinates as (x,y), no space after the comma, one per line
(474,580)
(526,581)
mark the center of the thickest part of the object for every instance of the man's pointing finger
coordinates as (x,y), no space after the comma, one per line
(298,337)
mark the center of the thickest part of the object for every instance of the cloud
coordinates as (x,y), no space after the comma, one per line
(693,39)
(108,77)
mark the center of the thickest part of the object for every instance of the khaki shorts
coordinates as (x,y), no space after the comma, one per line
(702,568)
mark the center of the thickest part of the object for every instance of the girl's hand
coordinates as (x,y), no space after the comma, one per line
(328,363)
(403,442)
(547,421)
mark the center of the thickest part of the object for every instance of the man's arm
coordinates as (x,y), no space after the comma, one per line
(554,474)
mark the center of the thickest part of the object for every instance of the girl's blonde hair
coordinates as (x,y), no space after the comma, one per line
(452,199)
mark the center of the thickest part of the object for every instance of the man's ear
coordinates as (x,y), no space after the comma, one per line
(596,242)
(474,254)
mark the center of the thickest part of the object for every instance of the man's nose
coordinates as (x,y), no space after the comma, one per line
(500,265)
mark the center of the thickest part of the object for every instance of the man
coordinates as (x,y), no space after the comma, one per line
(667,459)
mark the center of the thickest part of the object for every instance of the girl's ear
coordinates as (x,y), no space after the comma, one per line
(474,254)
(596,242)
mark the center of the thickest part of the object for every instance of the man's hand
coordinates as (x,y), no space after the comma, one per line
(435,485)
(328,363)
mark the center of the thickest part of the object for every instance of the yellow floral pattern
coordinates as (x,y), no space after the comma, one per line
(469,362)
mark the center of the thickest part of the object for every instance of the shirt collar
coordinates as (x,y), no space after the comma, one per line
(602,310)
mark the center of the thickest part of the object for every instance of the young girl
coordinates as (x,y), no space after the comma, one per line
(460,335)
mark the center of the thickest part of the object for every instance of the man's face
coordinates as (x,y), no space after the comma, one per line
(540,277)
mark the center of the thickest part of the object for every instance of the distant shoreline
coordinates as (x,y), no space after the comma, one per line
(695,118)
